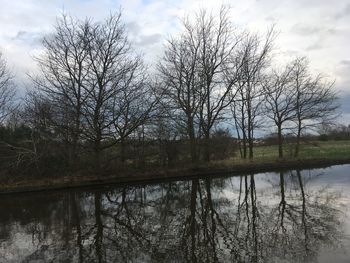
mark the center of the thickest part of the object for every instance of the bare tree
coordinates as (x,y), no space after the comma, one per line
(280,101)
(193,70)
(165,131)
(7,90)
(315,100)
(218,44)
(251,61)
(134,104)
(37,113)
(64,68)
(94,83)
(109,56)
(179,73)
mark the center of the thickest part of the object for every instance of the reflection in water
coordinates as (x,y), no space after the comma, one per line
(253,218)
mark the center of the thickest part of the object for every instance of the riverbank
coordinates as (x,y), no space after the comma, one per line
(212,170)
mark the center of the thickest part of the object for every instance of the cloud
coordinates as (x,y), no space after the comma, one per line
(149,22)
(271,18)
(316,46)
(291,53)
(133,28)
(343,13)
(309,30)
(20,34)
(140,39)
(28,38)
(306,30)
(148,40)
(345,62)
(345,108)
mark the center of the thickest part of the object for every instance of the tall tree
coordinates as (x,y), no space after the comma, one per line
(193,68)
(218,43)
(181,84)
(108,55)
(94,83)
(251,61)
(63,79)
(280,101)
(315,99)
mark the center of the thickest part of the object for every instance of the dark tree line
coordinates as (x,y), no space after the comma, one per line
(94,104)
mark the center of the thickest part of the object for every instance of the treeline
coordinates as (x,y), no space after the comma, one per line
(334,132)
(96,106)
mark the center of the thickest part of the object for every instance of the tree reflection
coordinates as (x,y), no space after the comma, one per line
(304,222)
(238,219)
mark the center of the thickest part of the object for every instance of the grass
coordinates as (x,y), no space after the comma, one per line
(330,150)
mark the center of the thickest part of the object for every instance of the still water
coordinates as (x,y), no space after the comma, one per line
(295,216)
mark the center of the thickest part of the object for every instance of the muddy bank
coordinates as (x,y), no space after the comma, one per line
(68,182)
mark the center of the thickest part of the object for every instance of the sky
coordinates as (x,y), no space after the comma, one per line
(318,29)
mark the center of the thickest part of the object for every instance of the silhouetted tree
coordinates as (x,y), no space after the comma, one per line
(247,98)
(315,99)
(280,101)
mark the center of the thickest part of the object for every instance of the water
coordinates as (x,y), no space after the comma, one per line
(296,216)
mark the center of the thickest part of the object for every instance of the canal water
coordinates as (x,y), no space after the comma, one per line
(292,216)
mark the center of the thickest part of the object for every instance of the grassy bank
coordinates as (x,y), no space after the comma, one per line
(312,155)
(328,150)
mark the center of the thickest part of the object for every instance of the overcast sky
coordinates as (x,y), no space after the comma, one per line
(318,29)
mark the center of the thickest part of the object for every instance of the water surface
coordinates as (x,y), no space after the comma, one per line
(295,216)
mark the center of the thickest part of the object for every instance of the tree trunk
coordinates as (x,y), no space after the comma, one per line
(76,135)
(254,216)
(193,146)
(76,214)
(244,146)
(206,148)
(251,146)
(250,126)
(73,156)
(142,160)
(193,219)
(122,150)
(99,226)
(303,210)
(283,201)
(239,143)
(212,219)
(97,151)
(280,141)
(297,145)
(244,134)
(193,151)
